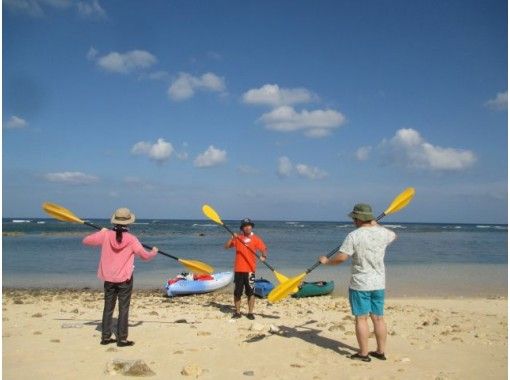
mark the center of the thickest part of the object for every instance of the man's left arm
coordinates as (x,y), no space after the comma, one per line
(263,249)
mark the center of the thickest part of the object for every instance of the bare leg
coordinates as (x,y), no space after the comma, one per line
(251,304)
(237,304)
(380,332)
(362,334)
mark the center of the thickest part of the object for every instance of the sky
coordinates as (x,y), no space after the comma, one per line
(273,110)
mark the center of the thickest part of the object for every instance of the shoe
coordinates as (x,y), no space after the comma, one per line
(236,315)
(357,356)
(377,355)
(107,341)
(250,316)
(125,343)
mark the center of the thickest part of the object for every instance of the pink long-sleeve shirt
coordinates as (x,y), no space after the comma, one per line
(117,259)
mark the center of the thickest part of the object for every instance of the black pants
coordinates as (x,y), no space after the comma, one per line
(243,280)
(112,291)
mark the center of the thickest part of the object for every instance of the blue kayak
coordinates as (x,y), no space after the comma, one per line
(262,287)
(182,286)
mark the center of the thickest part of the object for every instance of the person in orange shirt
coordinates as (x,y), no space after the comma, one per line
(245,265)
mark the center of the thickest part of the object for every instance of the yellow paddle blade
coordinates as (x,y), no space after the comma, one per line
(285,289)
(197,266)
(280,277)
(60,213)
(401,201)
(211,214)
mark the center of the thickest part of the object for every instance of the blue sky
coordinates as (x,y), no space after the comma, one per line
(272,110)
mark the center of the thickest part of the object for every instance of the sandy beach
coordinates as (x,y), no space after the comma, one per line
(51,334)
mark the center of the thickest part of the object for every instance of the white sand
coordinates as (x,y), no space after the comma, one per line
(55,334)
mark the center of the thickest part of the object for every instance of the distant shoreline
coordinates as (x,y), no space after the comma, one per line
(22,220)
(52,291)
(402,280)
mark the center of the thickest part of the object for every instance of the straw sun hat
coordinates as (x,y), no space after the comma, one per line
(123,216)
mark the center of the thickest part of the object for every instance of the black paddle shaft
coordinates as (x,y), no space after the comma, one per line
(144,245)
(336,249)
(251,250)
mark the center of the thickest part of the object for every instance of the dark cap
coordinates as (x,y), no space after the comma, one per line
(246,222)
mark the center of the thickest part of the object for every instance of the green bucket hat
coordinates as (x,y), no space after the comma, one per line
(363,212)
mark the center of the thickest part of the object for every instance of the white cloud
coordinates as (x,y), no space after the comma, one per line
(71,178)
(182,87)
(125,63)
(363,153)
(183,156)
(247,169)
(286,168)
(500,102)
(273,95)
(317,123)
(185,85)
(35,8)
(138,183)
(92,54)
(91,9)
(156,75)
(59,4)
(160,151)
(29,7)
(310,172)
(214,55)
(16,122)
(410,149)
(211,157)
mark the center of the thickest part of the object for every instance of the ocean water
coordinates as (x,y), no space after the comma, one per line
(426,259)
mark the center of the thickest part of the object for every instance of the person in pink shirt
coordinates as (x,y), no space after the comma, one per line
(118,250)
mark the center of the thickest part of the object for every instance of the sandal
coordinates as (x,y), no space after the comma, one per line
(236,315)
(377,355)
(357,356)
(107,341)
(250,316)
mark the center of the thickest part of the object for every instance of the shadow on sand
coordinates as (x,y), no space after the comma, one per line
(97,323)
(229,309)
(311,335)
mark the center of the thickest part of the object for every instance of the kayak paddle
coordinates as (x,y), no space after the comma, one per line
(65,215)
(283,290)
(213,215)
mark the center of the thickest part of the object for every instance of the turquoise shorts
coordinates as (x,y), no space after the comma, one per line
(366,302)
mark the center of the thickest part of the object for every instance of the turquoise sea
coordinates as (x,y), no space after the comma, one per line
(427,259)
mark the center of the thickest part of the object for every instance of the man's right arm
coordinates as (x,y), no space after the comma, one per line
(230,243)
(339,258)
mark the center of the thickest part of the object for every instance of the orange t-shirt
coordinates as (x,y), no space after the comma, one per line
(245,260)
